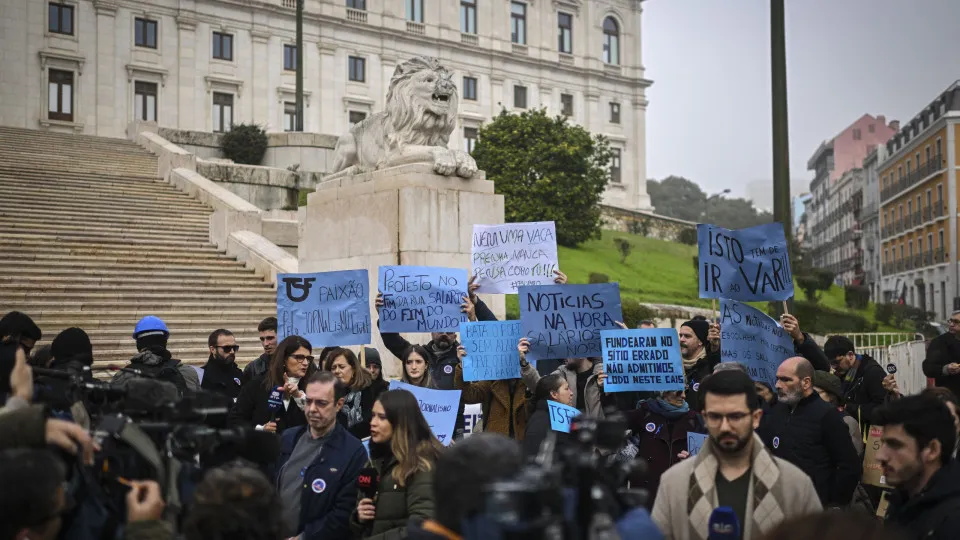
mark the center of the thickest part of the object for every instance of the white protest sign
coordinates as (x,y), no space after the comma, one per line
(505,257)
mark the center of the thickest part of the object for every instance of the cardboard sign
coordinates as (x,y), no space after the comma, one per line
(744,264)
(642,360)
(565,321)
(506,257)
(328,309)
(439,408)
(561,416)
(695,442)
(492,353)
(872,472)
(422,299)
(749,336)
(884,504)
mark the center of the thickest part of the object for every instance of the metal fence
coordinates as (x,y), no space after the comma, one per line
(906,351)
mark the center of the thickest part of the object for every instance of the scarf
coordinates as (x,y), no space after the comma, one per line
(688,364)
(351,409)
(667,410)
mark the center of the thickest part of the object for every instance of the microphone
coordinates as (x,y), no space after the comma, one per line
(275,403)
(723,524)
(368,482)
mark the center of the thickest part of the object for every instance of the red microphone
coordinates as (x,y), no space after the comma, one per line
(368,482)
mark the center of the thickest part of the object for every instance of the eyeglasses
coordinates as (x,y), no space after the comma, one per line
(229,348)
(954,322)
(734,418)
(301,358)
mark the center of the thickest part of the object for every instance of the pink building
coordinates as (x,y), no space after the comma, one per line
(853,144)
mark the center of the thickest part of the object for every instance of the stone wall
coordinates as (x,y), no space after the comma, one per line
(310,151)
(644,223)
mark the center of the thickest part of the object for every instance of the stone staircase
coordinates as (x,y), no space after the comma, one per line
(90,237)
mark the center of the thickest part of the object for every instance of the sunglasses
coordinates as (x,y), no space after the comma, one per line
(230,348)
(301,358)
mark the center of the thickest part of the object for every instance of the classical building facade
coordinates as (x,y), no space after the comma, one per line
(918,208)
(94,66)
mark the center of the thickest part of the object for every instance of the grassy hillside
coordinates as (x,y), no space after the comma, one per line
(656,271)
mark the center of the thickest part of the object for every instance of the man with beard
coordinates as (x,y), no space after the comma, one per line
(733,469)
(268,339)
(807,431)
(700,352)
(221,374)
(861,379)
(918,438)
(318,466)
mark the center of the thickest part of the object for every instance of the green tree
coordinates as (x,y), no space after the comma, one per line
(547,170)
(680,198)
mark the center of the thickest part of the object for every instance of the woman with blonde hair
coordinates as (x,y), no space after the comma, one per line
(361,392)
(404,451)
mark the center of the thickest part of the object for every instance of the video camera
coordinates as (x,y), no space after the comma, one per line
(569,493)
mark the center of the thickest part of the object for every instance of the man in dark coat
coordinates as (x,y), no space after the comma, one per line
(268,340)
(861,379)
(700,353)
(943,357)
(220,374)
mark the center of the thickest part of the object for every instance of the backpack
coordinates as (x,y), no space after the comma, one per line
(168,371)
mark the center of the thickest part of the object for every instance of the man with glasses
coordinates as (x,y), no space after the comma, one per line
(318,466)
(733,470)
(221,374)
(810,433)
(268,340)
(943,357)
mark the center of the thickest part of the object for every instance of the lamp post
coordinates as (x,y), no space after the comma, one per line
(781,137)
(298,121)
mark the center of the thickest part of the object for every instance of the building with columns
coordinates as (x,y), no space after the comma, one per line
(93,66)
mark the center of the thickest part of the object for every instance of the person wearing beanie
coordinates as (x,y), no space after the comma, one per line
(371,360)
(153,358)
(861,379)
(699,358)
(19,327)
(828,386)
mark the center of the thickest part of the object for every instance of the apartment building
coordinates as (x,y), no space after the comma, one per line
(870,223)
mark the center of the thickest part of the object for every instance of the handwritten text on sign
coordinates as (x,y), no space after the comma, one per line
(422,298)
(561,416)
(695,442)
(509,256)
(749,336)
(565,321)
(746,264)
(327,308)
(492,353)
(642,360)
(439,408)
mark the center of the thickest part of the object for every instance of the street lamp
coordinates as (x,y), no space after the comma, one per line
(706,207)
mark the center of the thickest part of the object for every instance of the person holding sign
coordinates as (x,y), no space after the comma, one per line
(583,375)
(361,393)
(550,388)
(404,452)
(698,361)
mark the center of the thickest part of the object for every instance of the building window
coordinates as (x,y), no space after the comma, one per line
(355,117)
(470,135)
(926,153)
(611,41)
(222,112)
(615,166)
(614,113)
(60,20)
(357,68)
(60,99)
(940,239)
(565,32)
(857,135)
(939,149)
(520,97)
(290,57)
(939,193)
(415,11)
(289,116)
(468,16)
(929,199)
(566,104)
(145,101)
(470,88)
(518,23)
(357,4)
(872,128)
(145,33)
(222,46)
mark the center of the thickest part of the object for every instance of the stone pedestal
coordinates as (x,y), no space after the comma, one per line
(402,215)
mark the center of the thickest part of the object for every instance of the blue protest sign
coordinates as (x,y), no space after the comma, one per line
(565,321)
(326,308)
(439,408)
(749,336)
(366,445)
(492,352)
(561,416)
(745,264)
(642,360)
(695,442)
(422,298)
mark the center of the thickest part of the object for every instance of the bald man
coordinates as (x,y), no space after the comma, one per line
(810,433)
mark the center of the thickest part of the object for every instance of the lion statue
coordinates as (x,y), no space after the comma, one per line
(420,114)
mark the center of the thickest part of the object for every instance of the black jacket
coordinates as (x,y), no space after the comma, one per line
(538,427)
(257,368)
(361,430)
(943,350)
(695,375)
(814,437)
(934,514)
(812,352)
(252,408)
(865,392)
(223,379)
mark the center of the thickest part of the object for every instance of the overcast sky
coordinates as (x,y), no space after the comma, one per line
(709,112)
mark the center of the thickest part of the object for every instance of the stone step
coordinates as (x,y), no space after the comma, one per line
(96,214)
(146,306)
(250,343)
(53,177)
(183,317)
(85,228)
(178,326)
(70,138)
(51,247)
(78,203)
(68,165)
(36,150)
(219,296)
(108,360)
(150,267)
(8,221)
(123,282)
(33,146)
(63,185)
(186,244)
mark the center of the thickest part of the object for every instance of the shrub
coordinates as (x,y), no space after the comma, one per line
(245,144)
(624,247)
(687,236)
(639,227)
(817,319)
(596,277)
(883,312)
(634,312)
(856,296)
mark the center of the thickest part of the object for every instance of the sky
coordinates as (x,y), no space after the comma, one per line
(709,113)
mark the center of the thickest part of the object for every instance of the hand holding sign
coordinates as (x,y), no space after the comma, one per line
(752,338)
(561,416)
(490,350)
(565,321)
(422,298)
(327,308)
(512,255)
(746,264)
(642,360)
(695,442)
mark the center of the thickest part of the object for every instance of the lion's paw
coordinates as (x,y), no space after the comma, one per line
(466,165)
(444,162)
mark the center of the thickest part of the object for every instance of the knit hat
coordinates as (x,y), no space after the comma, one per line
(71,342)
(19,325)
(829,382)
(372,357)
(700,329)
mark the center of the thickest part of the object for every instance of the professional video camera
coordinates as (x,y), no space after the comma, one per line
(572,493)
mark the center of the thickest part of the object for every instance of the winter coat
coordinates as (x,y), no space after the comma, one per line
(148,530)
(504,412)
(396,505)
(367,398)
(814,437)
(325,515)
(153,359)
(865,392)
(812,352)
(256,369)
(594,399)
(252,408)
(934,514)
(220,378)
(538,427)
(943,350)
(695,375)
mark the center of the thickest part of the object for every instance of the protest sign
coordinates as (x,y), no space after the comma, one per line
(472,418)
(872,471)
(565,321)
(695,442)
(492,352)
(326,308)
(749,336)
(512,255)
(561,416)
(439,408)
(642,360)
(745,264)
(422,298)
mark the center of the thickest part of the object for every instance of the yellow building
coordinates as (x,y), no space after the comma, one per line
(918,208)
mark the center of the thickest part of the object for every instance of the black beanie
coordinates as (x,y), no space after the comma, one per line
(700,329)
(372,356)
(72,343)
(19,325)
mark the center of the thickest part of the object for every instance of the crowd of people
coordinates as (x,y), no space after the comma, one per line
(357,460)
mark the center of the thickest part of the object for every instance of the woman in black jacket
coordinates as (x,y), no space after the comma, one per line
(275,401)
(361,393)
(550,388)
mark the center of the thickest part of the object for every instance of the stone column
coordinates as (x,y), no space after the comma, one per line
(188,116)
(330,80)
(497,96)
(261,74)
(640,199)
(108,104)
